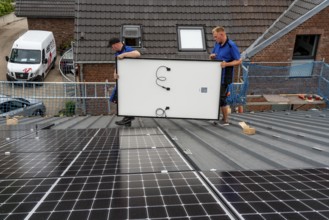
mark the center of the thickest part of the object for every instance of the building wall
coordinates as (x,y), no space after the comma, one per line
(63,28)
(98,73)
(282,49)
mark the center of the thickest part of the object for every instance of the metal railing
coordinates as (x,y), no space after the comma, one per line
(311,77)
(55,98)
(66,66)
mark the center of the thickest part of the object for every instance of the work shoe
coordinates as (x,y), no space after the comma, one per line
(224,123)
(125,121)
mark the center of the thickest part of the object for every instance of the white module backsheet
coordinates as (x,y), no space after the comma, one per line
(169,88)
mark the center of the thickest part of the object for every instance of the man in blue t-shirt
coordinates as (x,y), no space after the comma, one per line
(226,51)
(121,51)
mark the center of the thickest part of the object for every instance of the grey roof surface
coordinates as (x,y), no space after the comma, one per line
(99,20)
(297,13)
(283,140)
(45,8)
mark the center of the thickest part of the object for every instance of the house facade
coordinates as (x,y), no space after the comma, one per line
(271,31)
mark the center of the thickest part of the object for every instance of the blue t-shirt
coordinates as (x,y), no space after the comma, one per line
(228,52)
(125,49)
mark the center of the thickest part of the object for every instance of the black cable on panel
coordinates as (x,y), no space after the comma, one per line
(160,112)
(161,78)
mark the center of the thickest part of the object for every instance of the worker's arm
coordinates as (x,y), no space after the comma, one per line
(132,54)
(232,63)
(115,75)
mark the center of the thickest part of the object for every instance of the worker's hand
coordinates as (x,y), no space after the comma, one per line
(212,56)
(223,64)
(116,76)
(121,56)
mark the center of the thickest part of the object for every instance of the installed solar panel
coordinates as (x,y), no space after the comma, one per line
(28,165)
(30,145)
(128,142)
(127,161)
(18,197)
(275,194)
(67,133)
(139,131)
(141,196)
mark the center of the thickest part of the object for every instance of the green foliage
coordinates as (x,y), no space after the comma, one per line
(6,7)
(65,45)
(69,109)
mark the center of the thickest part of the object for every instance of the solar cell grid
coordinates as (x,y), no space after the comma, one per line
(148,196)
(127,161)
(18,197)
(67,133)
(128,142)
(30,145)
(275,194)
(28,165)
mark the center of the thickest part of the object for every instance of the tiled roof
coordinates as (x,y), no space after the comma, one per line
(45,8)
(298,12)
(99,20)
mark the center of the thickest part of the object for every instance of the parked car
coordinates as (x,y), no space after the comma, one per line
(32,56)
(10,106)
(66,64)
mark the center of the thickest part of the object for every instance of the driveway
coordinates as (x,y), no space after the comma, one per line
(8,34)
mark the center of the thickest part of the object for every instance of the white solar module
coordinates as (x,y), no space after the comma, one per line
(169,88)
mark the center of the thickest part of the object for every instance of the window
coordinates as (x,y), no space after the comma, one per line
(191,39)
(304,55)
(15,105)
(25,56)
(305,46)
(132,35)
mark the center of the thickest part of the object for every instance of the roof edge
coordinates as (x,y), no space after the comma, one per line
(252,50)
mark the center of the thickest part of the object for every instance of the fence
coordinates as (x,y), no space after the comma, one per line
(288,78)
(323,89)
(64,98)
(238,90)
(66,66)
(269,78)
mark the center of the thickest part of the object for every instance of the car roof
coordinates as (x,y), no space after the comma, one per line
(4,98)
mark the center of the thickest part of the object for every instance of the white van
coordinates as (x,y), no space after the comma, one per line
(32,56)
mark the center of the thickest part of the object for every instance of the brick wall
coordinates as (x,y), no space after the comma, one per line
(282,49)
(62,28)
(97,73)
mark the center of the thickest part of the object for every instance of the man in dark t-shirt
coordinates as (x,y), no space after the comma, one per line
(226,51)
(121,51)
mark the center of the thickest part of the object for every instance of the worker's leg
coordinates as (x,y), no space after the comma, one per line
(225,113)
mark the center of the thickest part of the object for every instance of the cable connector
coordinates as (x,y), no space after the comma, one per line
(161,78)
(160,112)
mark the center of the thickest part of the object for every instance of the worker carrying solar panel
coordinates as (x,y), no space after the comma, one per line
(226,51)
(121,51)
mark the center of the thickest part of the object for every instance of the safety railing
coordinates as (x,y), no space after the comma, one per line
(311,77)
(60,98)
(66,66)
(323,89)
(237,91)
